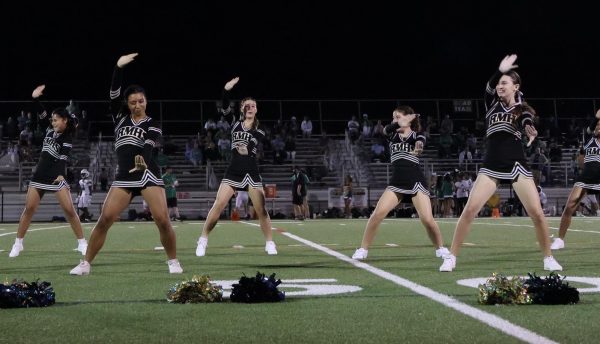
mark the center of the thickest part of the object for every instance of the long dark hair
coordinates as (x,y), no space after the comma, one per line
(415,124)
(72,121)
(243,113)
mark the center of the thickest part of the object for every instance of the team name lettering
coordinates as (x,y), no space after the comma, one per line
(505,117)
(240,135)
(401,147)
(131,132)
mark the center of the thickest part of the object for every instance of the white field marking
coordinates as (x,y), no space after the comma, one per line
(309,286)
(392,245)
(489,319)
(158,248)
(238,246)
(130,226)
(528,226)
(469,244)
(342,224)
(1,250)
(594,281)
(35,230)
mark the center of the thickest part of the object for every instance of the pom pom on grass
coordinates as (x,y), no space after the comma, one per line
(197,290)
(22,294)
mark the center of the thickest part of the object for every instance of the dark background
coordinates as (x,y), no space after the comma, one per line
(297,50)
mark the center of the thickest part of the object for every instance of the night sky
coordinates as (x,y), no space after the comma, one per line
(295,51)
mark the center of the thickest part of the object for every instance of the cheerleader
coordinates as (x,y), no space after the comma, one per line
(507,114)
(405,143)
(137,171)
(49,174)
(242,172)
(84,200)
(588,182)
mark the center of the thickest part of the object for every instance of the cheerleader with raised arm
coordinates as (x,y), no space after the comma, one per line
(49,174)
(242,172)
(507,115)
(137,171)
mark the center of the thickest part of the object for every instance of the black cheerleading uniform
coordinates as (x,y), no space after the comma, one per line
(133,138)
(504,155)
(53,159)
(407,176)
(590,176)
(242,171)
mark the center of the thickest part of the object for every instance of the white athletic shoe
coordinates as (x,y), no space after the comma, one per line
(82,247)
(16,250)
(174,267)
(360,254)
(270,248)
(557,244)
(449,263)
(550,264)
(442,251)
(201,249)
(82,269)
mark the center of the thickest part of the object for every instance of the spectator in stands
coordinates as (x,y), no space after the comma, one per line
(138,173)
(26,137)
(378,130)
(447,195)
(306,127)
(378,151)
(48,174)
(587,183)
(171,183)
(103,179)
(290,148)
(210,126)
(543,198)
(293,127)
(406,143)
(11,128)
(465,158)
(31,122)
(298,193)
(538,163)
(223,125)
(353,129)
(242,204)
(347,194)
(279,128)
(555,152)
(224,144)
(279,154)
(21,121)
(507,115)
(211,151)
(84,124)
(447,126)
(367,126)
(463,188)
(73,108)
(242,173)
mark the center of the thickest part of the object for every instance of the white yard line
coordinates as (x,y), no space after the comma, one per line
(477,314)
(35,230)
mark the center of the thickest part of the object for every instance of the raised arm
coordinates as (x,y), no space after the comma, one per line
(35,95)
(115,85)
(506,65)
(226,100)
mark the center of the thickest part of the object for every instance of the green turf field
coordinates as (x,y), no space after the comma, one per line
(396,296)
